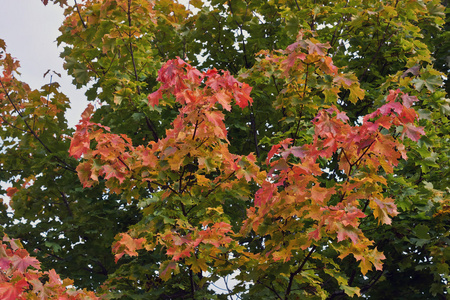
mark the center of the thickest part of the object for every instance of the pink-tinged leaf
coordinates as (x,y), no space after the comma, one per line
(111,172)
(153,98)
(392,95)
(290,61)
(316,47)
(265,193)
(298,151)
(12,290)
(341,115)
(389,107)
(347,232)
(53,277)
(215,117)
(4,263)
(315,235)
(292,46)
(224,99)
(194,75)
(382,209)
(408,100)
(412,132)
(413,70)
(346,82)
(22,263)
(166,268)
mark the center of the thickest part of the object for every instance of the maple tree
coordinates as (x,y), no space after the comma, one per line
(300,148)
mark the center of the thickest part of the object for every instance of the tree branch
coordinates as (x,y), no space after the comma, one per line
(299,269)
(191,277)
(79,14)
(255,133)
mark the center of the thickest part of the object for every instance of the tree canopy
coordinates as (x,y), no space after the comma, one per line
(298,147)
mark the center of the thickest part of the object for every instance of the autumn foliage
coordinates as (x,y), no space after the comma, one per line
(299,173)
(21,278)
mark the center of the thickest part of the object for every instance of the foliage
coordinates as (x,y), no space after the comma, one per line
(20,277)
(301,147)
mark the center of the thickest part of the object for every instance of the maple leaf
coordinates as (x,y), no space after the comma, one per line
(413,132)
(316,47)
(327,66)
(265,193)
(383,208)
(21,261)
(84,171)
(111,172)
(53,277)
(224,99)
(80,144)
(12,290)
(197,264)
(387,108)
(365,265)
(165,269)
(11,191)
(347,231)
(153,98)
(320,194)
(345,81)
(415,71)
(127,245)
(376,258)
(4,263)
(408,100)
(242,95)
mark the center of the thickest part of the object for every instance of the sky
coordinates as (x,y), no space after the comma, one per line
(29,29)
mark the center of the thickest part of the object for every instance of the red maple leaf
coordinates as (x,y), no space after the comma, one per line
(127,245)
(12,290)
(153,98)
(21,261)
(11,191)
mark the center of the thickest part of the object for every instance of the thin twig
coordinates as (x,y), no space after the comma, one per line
(79,14)
(299,269)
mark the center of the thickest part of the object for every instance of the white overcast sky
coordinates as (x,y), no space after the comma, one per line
(29,30)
